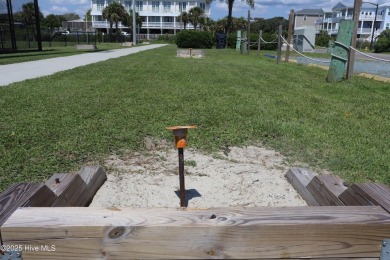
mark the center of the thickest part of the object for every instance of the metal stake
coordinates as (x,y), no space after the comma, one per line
(181,177)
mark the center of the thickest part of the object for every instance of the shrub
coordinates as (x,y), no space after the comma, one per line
(323,39)
(194,39)
(383,42)
(268,37)
(167,38)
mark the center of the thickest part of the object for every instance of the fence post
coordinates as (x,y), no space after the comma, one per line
(259,42)
(77,35)
(279,53)
(66,44)
(290,32)
(351,57)
(95,37)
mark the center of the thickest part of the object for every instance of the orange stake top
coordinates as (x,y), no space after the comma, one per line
(181,127)
(180,133)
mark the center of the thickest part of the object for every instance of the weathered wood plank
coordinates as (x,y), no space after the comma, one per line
(94,177)
(367,194)
(68,187)
(299,179)
(326,189)
(15,196)
(91,233)
(43,197)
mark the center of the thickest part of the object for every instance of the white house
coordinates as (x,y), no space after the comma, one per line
(331,19)
(158,17)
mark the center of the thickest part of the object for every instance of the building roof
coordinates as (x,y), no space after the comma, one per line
(385,4)
(341,6)
(327,10)
(310,12)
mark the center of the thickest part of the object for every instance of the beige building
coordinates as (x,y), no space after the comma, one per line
(307,17)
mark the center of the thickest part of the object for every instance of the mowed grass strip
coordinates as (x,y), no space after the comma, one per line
(52,52)
(58,123)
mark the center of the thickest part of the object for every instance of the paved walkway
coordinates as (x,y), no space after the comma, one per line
(33,69)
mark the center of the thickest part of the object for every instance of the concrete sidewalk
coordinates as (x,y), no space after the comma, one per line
(33,69)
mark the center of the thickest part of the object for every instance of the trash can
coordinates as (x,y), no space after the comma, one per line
(221,40)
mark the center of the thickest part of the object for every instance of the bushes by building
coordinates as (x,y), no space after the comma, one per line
(194,39)
(383,42)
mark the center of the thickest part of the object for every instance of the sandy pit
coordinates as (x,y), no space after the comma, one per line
(248,176)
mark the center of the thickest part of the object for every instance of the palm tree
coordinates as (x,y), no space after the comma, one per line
(184,18)
(114,13)
(195,16)
(230,3)
(28,16)
(128,21)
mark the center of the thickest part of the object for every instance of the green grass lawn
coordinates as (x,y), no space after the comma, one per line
(52,52)
(60,122)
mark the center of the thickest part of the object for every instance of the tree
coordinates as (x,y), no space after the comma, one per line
(28,13)
(206,24)
(52,21)
(28,16)
(114,13)
(71,16)
(195,16)
(128,21)
(88,16)
(383,41)
(230,3)
(184,18)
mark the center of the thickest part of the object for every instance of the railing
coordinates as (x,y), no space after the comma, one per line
(364,31)
(371,17)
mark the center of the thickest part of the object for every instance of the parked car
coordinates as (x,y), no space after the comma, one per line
(125,33)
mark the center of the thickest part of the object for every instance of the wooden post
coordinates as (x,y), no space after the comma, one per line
(240,233)
(259,42)
(244,43)
(290,32)
(279,53)
(249,30)
(351,58)
(238,44)
(340,53)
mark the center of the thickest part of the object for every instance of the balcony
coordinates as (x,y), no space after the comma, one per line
(370,17)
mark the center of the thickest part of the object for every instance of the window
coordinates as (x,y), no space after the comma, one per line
(192,3)
(140,6)
(128,5)
(155,6)
(203,6)
(182,6)
(100,4)
(167,6)
(304,18)
(387,26)
(154,19)
(168,19)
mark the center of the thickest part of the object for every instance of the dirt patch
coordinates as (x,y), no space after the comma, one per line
(248,176)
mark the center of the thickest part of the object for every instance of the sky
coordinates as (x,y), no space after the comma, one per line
(263,8)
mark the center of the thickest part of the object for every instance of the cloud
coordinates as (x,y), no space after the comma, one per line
(59,9)
(69,2)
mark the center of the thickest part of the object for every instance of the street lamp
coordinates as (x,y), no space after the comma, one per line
(373,27)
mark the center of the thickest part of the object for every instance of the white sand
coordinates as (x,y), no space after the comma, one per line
(250,176)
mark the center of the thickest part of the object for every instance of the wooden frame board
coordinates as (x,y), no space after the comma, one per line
(289,232)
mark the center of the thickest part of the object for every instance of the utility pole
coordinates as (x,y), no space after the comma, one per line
(351,58)
(290,32)
(373,26)
(249,30)
(134,24)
